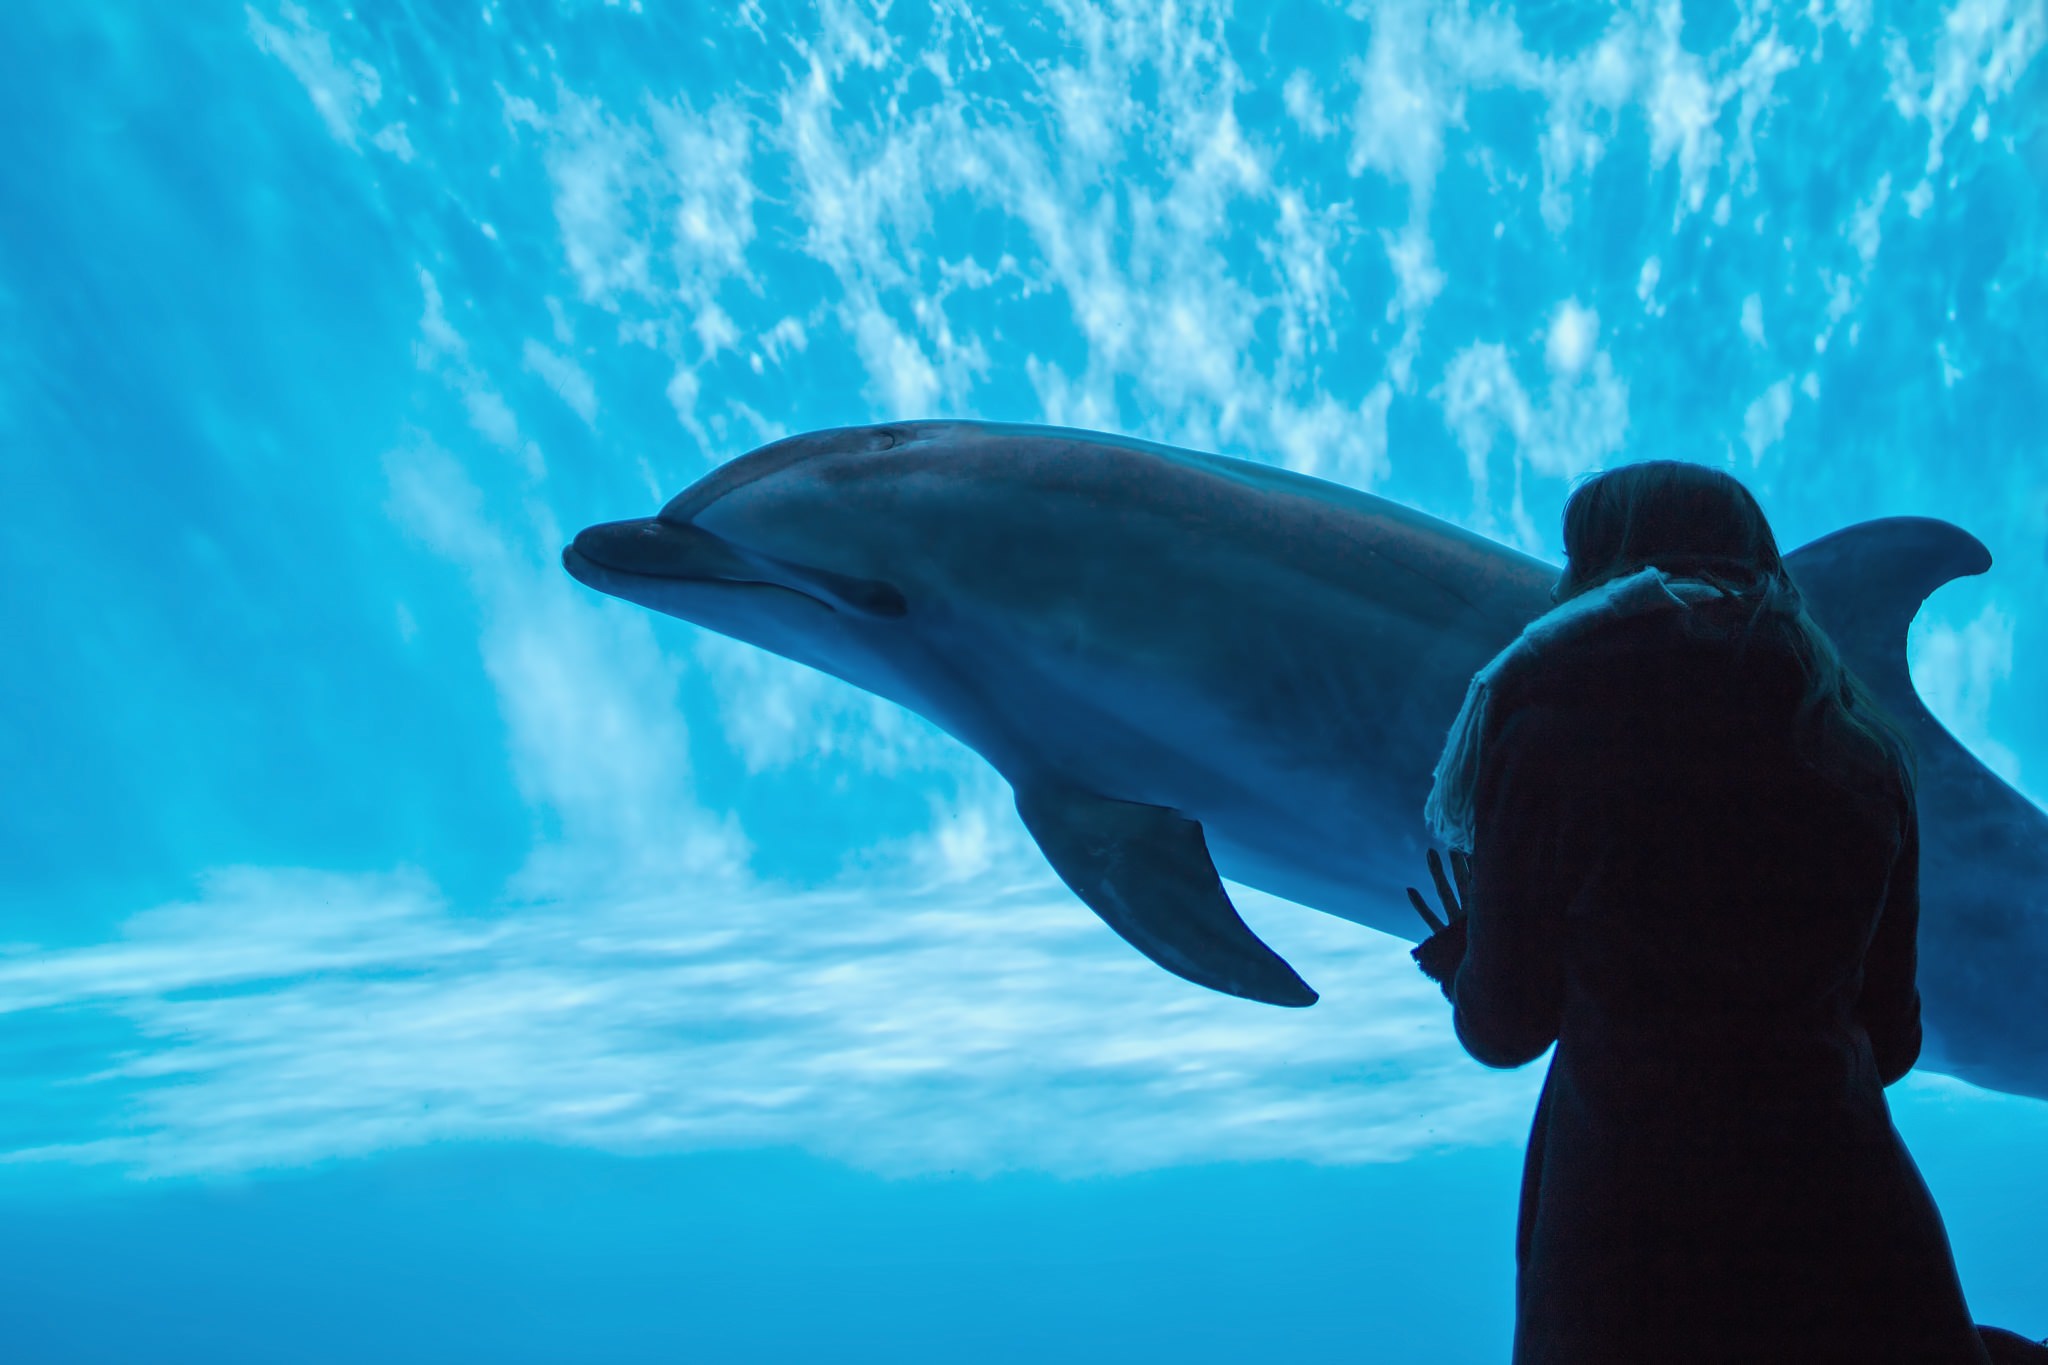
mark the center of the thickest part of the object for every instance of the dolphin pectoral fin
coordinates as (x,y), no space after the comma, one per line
(1146,871)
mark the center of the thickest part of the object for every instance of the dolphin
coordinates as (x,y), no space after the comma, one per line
(1191,667)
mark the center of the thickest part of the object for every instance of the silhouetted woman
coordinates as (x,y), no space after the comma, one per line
(1694,865)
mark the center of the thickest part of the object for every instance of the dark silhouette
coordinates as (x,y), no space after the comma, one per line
(1695,868)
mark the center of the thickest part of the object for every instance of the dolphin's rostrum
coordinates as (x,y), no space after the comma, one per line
(1185,663)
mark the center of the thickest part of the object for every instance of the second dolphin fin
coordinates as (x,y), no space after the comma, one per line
(1864,584)
(1146,871)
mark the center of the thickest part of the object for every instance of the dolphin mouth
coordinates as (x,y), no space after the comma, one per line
(662,551)
(648,547)
(592,573)
(680,552)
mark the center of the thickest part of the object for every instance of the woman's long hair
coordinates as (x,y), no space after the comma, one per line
(1697,521)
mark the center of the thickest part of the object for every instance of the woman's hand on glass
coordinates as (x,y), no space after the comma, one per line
(1454,905)
(1440,955)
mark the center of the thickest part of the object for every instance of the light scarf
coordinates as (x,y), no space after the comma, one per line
(1448,812)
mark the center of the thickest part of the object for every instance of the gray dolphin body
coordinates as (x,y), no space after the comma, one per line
(1187,664)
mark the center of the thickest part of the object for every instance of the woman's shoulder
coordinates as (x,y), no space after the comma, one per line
(1704,651)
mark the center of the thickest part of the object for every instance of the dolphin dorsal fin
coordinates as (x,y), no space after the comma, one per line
(1146,871)
(1864,584)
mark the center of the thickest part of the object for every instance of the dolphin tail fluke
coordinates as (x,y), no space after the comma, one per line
(1864,584)
(1146,871)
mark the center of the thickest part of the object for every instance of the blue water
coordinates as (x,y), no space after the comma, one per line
(406,953)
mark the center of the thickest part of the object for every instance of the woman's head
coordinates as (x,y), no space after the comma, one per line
(1698,522)
(1684,518)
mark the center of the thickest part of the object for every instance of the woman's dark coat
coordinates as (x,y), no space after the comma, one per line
(1721,944)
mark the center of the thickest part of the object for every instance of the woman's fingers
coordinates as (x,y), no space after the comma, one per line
(1435,925)
(1454,901)
(1443,886)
